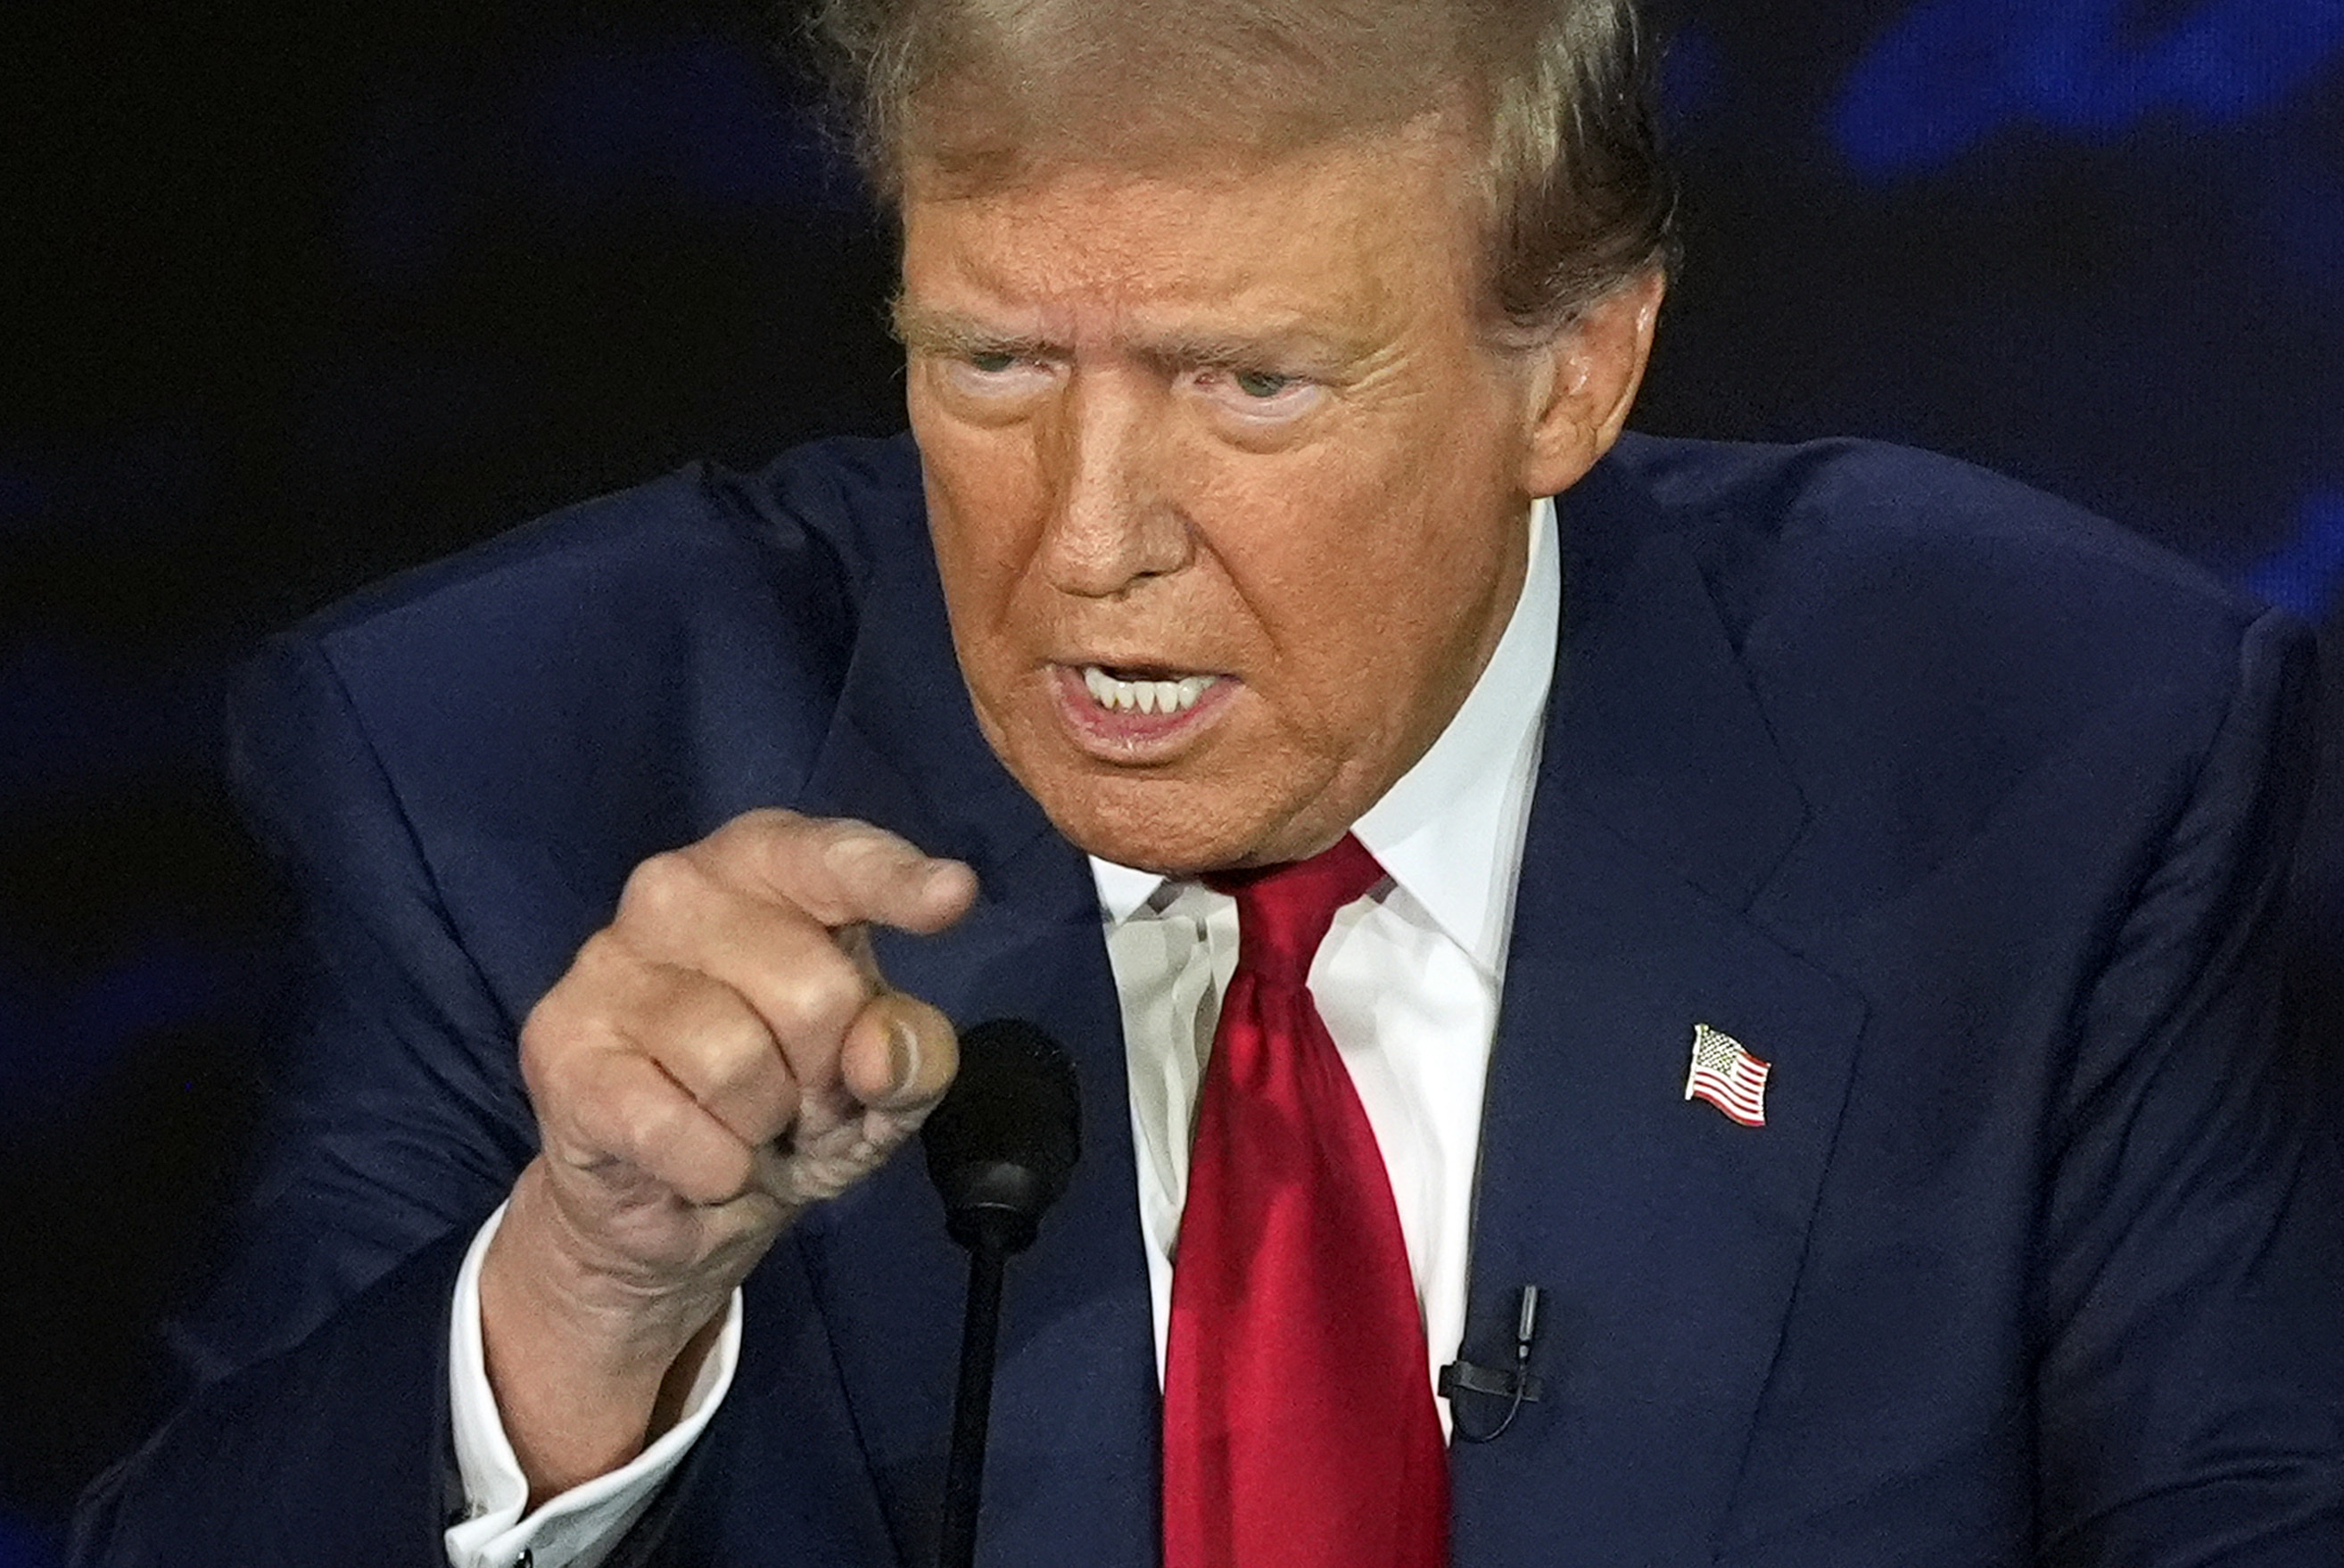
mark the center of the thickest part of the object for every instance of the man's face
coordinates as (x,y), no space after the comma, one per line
(1228,494)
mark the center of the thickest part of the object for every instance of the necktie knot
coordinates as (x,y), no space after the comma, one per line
(1284,911)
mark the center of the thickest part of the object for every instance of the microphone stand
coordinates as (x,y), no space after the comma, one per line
(1000,1149)
(989,1243)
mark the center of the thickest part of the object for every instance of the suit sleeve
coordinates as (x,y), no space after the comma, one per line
(399,1123)
(2190,1381)
(678,649)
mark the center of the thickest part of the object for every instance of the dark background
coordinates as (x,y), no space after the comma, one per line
(291,296)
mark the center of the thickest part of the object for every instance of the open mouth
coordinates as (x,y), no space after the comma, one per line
(1135,691)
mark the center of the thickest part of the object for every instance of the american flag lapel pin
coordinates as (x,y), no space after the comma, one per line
(1727,1075)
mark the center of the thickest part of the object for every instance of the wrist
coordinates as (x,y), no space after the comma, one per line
(587,1363)
(618,1314)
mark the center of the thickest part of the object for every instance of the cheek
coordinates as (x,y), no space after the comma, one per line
(981,499)
(1373,584)
(1345,541)
(1329,621)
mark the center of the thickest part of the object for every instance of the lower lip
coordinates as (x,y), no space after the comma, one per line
(1134,736)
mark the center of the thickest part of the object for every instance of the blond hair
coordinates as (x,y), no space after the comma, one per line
(1555,95)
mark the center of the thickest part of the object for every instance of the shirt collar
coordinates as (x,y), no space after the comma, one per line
(1450,830)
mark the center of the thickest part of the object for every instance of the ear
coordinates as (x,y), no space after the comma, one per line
(1585,379)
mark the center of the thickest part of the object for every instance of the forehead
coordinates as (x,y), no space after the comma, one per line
(1346,237)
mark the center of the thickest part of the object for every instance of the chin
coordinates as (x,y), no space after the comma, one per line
(1152,824)
(1180,828)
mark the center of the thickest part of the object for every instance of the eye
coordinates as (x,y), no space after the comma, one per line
(1260,396)
(994,376)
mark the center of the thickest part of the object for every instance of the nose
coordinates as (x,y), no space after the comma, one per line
(1110,525)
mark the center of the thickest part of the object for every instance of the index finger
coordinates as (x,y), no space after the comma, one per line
(840,871)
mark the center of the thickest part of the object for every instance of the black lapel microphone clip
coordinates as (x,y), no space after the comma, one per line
(1513,1384)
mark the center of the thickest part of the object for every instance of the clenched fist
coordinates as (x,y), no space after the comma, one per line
(723,1054)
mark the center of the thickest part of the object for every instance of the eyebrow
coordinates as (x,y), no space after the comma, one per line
(947,333)
(950,334)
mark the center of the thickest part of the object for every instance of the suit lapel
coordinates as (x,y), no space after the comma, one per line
(1666,1237)
(1071,1473)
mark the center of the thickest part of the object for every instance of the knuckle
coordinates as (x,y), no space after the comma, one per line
(605,970)
(551,1037)
(831,831)
(726,1066)
(736,1062)
(645,1129)
(543,1039)
(814,1004)
(583,1008)
(717,1174)
(758,837)
(660,889)
(761,821)
(851,847)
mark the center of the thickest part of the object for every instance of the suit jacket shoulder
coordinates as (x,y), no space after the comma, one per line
(1920,636)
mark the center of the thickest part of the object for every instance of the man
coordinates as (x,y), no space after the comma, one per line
(1814,934)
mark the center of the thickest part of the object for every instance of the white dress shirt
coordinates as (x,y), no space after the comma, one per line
(1408,981)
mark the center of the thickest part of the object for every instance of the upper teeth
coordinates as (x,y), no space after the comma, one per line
(1145,696)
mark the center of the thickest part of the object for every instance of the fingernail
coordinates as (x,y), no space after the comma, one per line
(902,1056)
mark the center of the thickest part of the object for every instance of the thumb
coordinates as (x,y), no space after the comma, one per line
(899,1058)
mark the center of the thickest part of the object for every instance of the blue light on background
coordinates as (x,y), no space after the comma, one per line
(2306,573)
(693,119)
(1692,73)
(20,1547)
(157,984)
(690,125)
(1953,72)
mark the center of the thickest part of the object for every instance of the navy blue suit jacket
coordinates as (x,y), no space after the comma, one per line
(1965,812)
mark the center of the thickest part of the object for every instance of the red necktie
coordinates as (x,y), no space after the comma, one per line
(1299,1425)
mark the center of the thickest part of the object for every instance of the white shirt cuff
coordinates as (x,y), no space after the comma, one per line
(578,1527)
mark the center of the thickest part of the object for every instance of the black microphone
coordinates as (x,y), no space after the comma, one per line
(1516,1384)
(1000,1149)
